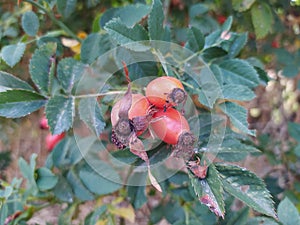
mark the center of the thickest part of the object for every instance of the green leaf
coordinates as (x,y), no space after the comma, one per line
(92,3)
(67,215)
(239,217)
(80,191)
(124,156)
(227,24)
(210,190)
(262,221)
(210,88)
(45,180)
(263,76)
(71,150)
(137,194)
(30,23)
(262,19)
(124,35)
(294,130)
(198,10)
(94,46)
(233,150)
(173,212)
(28,171)
(3,213)
(238,44)
(6,193)
(60,112)
(66,7)
(41,64)
(247,187)
(297,150)
(97,183)
(140,64)
(236,71)
(195,39)
(129,14)
(242,5)
(63,190)
(8,81)
(93,217)
(290,71)
(285,57)
(215,185)
(12,54)
(237,92)
(212,53)
(156,21)
(69,71)
(237,115)
(200,215)
(90,114)
(213,38)
(60,153)
(18,103)
(288,213)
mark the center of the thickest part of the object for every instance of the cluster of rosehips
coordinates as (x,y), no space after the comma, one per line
(136,114)
(51,139)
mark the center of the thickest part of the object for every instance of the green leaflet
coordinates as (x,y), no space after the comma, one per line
(12,54)
(247,187)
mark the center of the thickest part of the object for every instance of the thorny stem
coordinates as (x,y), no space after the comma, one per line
(53,18)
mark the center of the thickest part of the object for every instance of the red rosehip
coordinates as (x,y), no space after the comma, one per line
(169,125)
(165,91)
(44,123)
(53,140)
(139,109)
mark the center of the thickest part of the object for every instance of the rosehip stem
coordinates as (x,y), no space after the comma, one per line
(100,94)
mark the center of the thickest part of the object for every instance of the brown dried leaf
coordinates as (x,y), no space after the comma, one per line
(137,147)
(153,180)
(125,104)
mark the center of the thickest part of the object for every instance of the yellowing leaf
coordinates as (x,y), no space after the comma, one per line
(124,212)
(117,201)
(74,45)
(102,222)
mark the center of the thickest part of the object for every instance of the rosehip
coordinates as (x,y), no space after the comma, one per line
(275,44)
(139,109)
(165,91)
(44,123)
(221,19)
(52,140)
(169,125)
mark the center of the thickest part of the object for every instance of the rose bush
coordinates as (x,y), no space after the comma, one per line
(87,98)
